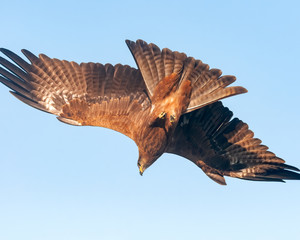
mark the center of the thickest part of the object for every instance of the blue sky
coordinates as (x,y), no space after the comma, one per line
(64,182)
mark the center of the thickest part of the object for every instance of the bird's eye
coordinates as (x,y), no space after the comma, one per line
(139,164)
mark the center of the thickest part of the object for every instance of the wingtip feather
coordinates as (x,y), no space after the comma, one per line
(128,42)
(4,50)
(241,89)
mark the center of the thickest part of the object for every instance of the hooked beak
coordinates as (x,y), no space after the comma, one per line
(141,169)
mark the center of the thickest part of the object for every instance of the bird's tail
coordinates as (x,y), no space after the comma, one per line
(208,85)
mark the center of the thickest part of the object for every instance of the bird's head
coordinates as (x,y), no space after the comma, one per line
(145,161)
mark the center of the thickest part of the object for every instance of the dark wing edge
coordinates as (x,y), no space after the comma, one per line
(86,94)
(208,85)
(222,146)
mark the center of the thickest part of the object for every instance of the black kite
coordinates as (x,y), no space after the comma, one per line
(170,104)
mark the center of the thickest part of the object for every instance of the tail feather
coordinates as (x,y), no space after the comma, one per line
(207,84)
(189,66)
(204,100)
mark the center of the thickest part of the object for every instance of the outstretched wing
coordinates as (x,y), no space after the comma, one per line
(86,94)
(208,85)
(221,146)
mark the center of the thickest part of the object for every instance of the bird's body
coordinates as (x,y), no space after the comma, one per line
(170,104)
(170,99)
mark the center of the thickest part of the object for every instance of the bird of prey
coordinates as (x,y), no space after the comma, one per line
(170,104)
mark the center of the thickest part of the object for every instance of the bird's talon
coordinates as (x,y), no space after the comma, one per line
(172,118)
(162,115)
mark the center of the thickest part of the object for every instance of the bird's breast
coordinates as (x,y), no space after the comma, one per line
(152,140)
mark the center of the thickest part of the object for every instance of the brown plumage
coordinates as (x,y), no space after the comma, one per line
(170,104)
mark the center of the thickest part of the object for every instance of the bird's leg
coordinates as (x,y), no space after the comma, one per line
(172,118)
(162,115)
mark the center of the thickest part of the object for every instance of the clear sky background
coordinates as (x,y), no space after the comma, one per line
(60,182)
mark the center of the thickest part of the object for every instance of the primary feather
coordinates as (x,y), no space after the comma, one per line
(170,104)
(86,94)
